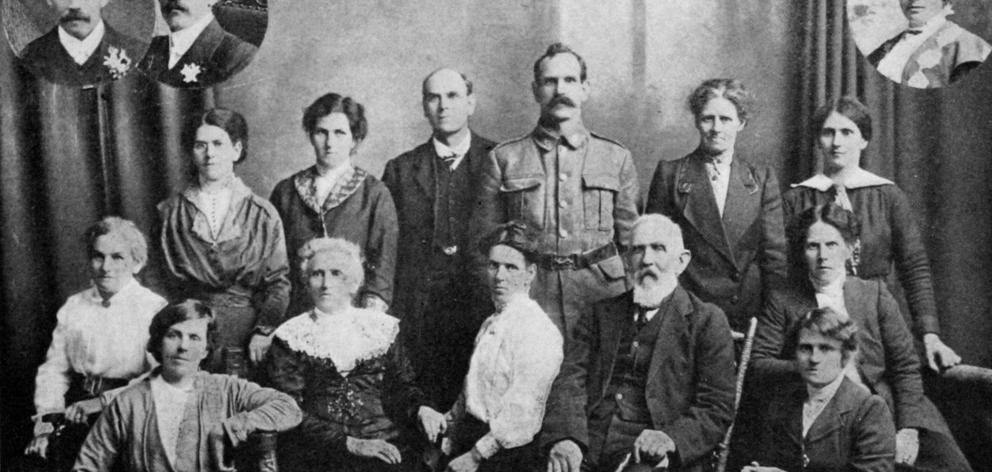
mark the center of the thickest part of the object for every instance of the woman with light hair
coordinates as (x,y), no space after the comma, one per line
(346,368)
(99,340)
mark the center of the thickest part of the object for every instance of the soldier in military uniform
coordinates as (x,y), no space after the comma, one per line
(578,189)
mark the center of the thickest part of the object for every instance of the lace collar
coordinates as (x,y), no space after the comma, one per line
(346,338)
(347,183)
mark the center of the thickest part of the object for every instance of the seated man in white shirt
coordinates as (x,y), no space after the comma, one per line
(518,352)
(179,417)
(933,51)
(82,49)
(198,52)
(98,344)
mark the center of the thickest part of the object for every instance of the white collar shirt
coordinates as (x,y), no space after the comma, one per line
(81,50)
(459,150)
(893,64)
(719,174)
(816,400)
(170,406)
(180,41)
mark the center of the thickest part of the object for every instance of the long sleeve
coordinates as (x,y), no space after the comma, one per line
(258,409)
(768,362)
(873,448)
(773,246)
(380,251)
(271,296)
(514,400)
(105,442)
(402,397)
(489,212)
(912,264)
(902,366)
(711,409)
(565,417)
(52,381)
(627,202)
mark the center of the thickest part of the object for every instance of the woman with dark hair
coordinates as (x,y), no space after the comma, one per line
(346,368)
(180,418)
(223,244)
(729,209)
(335,199)
(889,230)
(822,240)
(828,422)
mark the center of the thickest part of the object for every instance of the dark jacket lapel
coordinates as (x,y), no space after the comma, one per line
(673,337)
(611,330)
(832,416)
(423,169)
(202,50)
(743,203)
(692,182)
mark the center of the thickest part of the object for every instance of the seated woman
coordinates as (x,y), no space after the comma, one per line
(517,355)
(345,367)
(842,426)
(179,417)
(99,340)
(821,239)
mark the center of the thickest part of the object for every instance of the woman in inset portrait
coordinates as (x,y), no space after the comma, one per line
(336,199)
(889,230)
(821,241)
(729,209)
(224,245)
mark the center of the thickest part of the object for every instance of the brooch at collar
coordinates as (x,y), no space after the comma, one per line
(117,62)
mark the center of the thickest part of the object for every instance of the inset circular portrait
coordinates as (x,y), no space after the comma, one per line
(79,42)
(922,43)
(204,42)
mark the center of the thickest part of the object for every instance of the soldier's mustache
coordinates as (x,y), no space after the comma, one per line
(74,15)
(173,5)
(562,100)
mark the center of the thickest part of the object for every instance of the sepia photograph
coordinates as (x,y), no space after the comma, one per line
(510,235)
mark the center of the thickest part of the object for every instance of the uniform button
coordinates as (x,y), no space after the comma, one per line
(562,176)
(562,204)
(734,299)
(619,396)
(635,344)
(562,233)
(736,276)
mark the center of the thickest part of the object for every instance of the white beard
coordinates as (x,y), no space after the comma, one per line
(650,292)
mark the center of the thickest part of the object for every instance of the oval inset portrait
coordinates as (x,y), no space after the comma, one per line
(922,43)
(79,42)
(200,43)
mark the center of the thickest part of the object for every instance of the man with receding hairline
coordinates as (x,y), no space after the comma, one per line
(82,49)
(649,376)
(197,52)
(433,187)
(579,190)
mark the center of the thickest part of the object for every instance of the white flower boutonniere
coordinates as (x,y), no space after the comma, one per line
(191,73)
(117,62)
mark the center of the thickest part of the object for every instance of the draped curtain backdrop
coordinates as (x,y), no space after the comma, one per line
(68,157)
(936,146)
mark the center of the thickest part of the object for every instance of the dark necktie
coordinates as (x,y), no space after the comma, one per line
(642,318)
(449,160)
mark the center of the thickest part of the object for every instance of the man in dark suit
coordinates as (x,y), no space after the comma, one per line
(198,52)
(82,49)
(649,373)
(434,186)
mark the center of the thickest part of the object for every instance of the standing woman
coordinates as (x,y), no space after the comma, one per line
(889,231)
(224,245)
(335,199)
(730,210)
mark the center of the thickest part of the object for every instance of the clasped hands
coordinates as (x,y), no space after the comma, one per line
(651,445)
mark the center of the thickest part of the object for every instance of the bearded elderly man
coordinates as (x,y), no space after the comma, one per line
(83,49)
(648,379)
(197,52)
(577,189)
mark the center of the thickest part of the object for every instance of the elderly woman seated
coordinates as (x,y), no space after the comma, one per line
(179,417)
(822,240)
(99,340)
(830,423)
(346,368)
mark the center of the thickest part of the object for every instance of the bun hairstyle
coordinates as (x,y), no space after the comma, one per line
(731,89)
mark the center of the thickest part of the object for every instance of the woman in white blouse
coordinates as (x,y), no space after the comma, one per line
(99,340)
(517,355)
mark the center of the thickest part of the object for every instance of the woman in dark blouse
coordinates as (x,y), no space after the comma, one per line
(224,245)
(334,199)
(889,231)
(346,368)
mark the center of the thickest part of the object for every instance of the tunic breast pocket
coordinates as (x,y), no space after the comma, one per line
(598,194)
(524,199)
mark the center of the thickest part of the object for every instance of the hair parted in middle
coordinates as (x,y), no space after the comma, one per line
(347,251)
(335,103)
(731,89)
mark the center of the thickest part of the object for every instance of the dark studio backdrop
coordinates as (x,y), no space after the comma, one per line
(70,156)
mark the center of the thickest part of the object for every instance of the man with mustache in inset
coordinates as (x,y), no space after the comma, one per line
(82,49)
(198,52)
(577,189)
(648,379)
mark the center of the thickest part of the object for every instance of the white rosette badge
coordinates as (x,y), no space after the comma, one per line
(117,62)
(191,73)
